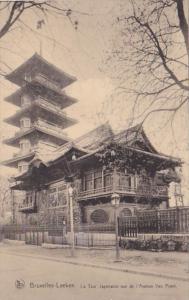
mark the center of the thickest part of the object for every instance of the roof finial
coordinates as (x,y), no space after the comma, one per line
(40,23)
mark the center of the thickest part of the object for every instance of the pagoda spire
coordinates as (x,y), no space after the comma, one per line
(40,119)
(40,24)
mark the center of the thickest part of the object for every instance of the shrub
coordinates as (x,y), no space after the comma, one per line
(154,245)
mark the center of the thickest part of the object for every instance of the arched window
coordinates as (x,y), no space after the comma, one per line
(126,212)
(99,216)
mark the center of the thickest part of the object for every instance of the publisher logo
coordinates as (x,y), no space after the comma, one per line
(19,283)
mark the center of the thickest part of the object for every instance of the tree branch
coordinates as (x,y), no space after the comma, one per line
(183,23)
(161,54)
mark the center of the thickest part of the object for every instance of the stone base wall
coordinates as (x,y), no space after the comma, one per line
(124,208)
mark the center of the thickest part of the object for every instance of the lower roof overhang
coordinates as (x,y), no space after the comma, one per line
(157,161)
(39,177)
(37,109)
(61,98)
(13,162)
(59,168)
(14,141)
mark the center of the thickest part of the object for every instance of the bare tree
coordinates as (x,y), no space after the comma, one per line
(12,14)
(5,197)
(152,53)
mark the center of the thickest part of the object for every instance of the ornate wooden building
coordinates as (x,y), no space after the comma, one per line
(97,164)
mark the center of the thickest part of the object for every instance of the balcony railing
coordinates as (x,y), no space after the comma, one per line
(153,191)
(47,105)
(27,207)
(23,153)
(50,126)
(40,78)
(43,124)
(43,103)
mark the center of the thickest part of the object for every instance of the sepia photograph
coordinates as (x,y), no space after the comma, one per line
(94,149)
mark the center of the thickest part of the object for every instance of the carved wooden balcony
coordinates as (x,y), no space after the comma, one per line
(43,80)
(50,127)
(141,191)
(47,105)
(28,207)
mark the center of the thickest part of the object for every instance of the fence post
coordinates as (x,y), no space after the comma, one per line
(136,231)
(88,232)
(63,232)
(37,235)
(158,222)
(25,236)
(178,217)
(92,242)
(42,234)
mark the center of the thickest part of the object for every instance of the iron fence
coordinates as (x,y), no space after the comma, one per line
(128,226)
(164,221)
(172,220)
(89,235)
(95,235)
(35,234)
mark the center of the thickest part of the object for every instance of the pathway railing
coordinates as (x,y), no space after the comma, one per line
(172,220)
(161,221)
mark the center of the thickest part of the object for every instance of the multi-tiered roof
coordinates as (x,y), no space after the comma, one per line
(41,99)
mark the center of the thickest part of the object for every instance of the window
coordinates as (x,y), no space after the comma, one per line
(88,181)
(99,216)
(126,212)
(97,179)
(21,123)
(129,181)
(107,180)
(25,101)
(25,146)
(25,123)
(25,167)
(57,195)
(125,180)
(19,169)
(53,199)
(62,195)
(29,199)
(22,166)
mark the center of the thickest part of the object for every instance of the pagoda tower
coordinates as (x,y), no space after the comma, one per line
(40,119)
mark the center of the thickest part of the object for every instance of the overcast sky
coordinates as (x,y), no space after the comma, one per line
(83,53)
